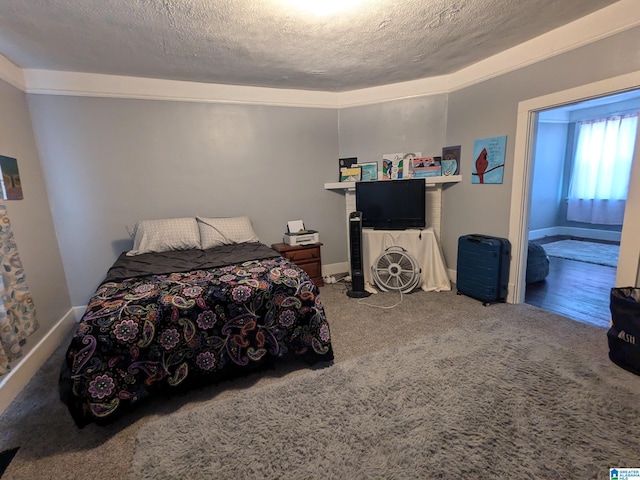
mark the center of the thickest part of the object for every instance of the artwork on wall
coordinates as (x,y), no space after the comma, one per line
(451,160)
(392,166)
(11,184)
(397,165)
(488,154)
(423,167)
(352,174)
(345,163)
(369,171)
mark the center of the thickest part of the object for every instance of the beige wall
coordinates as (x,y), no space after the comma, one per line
(31,217)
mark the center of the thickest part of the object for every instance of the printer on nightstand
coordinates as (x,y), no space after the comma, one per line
(298,235)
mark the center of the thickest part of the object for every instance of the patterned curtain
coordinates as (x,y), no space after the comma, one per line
(17,311)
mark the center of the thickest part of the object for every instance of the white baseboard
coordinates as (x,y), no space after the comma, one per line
(79,312)
(334,268)
(453,274)
(13,383)
(594,234)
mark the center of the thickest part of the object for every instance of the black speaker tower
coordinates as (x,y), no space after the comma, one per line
(355,248)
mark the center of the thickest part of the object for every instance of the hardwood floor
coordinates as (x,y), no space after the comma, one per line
(577,290)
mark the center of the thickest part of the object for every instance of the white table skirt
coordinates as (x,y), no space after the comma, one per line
(421,244)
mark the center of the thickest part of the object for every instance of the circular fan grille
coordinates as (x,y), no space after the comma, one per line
(396,270)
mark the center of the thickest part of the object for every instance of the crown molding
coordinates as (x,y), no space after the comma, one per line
(395,91)
(603,23)
(49,82)
(12,74)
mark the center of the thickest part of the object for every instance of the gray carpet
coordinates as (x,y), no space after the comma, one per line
(583,251)
(484,401)
(542,377)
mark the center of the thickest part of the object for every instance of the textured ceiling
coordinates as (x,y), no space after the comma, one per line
(271,43)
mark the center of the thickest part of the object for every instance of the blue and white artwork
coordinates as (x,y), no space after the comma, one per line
(488,165)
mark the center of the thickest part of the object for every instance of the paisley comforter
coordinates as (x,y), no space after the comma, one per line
(171,321)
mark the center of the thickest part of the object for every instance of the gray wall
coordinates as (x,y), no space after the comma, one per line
(548,174)
(410,125)
(31,217)
(111,162)
(490,108)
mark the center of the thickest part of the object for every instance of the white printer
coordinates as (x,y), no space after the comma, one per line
(297,234)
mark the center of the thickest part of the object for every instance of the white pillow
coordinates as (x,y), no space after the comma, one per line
(224,231)
(164,235)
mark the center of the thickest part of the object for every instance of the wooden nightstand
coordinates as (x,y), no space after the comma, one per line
(307,257)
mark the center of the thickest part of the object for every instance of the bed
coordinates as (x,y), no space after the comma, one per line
(171,320)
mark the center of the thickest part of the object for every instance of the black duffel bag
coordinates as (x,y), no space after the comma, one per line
(624,333)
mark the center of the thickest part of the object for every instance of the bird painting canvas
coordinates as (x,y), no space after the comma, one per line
(489,154)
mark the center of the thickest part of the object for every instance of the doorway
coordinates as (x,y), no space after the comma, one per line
(627,271)
(582,256)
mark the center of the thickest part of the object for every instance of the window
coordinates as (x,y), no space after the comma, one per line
(601,168)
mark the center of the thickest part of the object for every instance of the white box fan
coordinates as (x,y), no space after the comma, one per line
(396,270)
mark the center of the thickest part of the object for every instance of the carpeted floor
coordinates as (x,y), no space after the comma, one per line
(484,401)
(499,391)
(584,251)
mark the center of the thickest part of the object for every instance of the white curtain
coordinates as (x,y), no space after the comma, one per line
(602,164)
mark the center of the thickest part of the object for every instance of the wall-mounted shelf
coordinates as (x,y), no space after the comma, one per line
(427,181)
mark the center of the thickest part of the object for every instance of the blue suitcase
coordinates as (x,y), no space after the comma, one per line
(483,267)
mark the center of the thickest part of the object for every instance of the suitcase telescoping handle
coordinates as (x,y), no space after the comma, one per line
(475,238)
(479,238)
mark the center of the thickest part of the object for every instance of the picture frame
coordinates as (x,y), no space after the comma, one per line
(392,166)
(423,167)
(369,171)
(451,160)
(346,163)
(351,174)
(11,186)
(489,155)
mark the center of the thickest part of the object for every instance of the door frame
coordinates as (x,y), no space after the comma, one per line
(521,184)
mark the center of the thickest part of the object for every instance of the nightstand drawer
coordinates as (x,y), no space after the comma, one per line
(307,257)
(313,269)
(302,255)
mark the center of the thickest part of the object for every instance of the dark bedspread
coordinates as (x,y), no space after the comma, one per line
(181,319)
(187,260)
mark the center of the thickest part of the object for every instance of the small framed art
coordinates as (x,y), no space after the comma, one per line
(369,171)
(346,163)
(351,174)
(451,160)
(423,167)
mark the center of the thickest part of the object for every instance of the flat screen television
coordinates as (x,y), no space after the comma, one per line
(392,204)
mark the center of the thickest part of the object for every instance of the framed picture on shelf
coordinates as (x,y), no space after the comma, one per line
(351,174)
(369,171)
(423,167)
(346,163)
(451,160)
(392,166)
